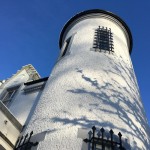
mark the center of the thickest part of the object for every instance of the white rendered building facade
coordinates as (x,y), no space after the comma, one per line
(18,98)
(92,84)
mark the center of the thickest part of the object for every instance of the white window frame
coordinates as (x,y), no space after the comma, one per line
(6,98)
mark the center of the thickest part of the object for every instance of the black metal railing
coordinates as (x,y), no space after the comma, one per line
(100,142)
(24,142)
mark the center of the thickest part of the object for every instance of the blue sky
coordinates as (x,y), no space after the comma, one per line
(29,34)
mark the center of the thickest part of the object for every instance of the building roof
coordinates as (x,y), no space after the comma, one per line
(36,81)
(31,71)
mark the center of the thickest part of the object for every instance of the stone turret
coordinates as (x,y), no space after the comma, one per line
(92,84)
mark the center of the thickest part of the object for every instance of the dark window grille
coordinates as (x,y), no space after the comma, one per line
(99,142)
(103,39)
(24,143)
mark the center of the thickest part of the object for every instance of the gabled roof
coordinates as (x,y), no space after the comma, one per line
(31,71)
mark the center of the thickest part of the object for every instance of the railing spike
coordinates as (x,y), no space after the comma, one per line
(120,135)
(93,143)
(102,130)
(111,131)
(31,133)
(26,135)
(111,136)
(25,138)
(20,141)
(94,128)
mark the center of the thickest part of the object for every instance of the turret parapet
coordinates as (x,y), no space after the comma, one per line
(95,12)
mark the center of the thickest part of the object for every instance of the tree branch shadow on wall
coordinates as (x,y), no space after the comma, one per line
(134,108)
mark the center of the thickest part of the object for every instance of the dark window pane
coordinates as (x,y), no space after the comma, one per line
(9,94)
(66,47)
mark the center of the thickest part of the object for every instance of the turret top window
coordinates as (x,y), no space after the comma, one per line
(67,43)
(103,40)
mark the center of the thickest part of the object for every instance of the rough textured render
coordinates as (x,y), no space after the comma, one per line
(20,106)
(89,87)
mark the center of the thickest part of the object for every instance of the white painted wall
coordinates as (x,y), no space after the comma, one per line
(9,128)
(22,102)
(89,88)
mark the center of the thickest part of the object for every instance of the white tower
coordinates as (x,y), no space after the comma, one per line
(92,84)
